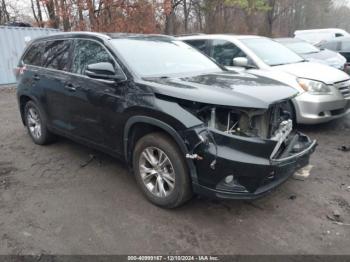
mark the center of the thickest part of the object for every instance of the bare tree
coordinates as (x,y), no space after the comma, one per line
(4,14)
(37,13)
(170,15)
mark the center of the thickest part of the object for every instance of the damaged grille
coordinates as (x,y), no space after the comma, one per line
(344,88)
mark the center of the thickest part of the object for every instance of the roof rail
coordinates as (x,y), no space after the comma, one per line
(189,34)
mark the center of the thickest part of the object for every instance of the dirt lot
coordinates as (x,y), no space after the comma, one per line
(50,204)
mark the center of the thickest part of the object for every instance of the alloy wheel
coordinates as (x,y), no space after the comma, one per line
(157,172)
(34,123)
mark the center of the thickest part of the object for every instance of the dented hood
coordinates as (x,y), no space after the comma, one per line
(224,88)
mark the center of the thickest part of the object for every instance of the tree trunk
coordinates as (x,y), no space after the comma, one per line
(4,14)
(65,17)
(50,6)
(92,18)
(80,14)
(40,16)
(169,24)
(34,12)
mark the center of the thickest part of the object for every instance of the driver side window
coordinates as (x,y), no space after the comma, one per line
(224,52)
(88,52)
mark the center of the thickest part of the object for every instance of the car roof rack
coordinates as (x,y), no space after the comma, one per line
(189,34)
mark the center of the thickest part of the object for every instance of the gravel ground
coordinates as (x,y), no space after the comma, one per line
(50,204)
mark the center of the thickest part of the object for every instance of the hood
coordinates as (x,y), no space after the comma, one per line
(283,77)
(224,88)
(327,57)
(314,71)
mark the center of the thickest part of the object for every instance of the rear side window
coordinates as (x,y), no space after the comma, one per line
(224,52)
(56,55)
(201,45)
(330,45)
(34,54)
(88,52)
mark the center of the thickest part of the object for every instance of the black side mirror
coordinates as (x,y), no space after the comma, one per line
(104,71)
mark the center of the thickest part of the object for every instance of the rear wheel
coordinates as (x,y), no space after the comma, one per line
(36,124)
(161,171)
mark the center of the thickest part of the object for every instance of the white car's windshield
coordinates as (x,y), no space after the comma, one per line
(271,52)
(159,57)
(302,48)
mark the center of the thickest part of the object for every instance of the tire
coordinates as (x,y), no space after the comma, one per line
(36,124)
(171,181)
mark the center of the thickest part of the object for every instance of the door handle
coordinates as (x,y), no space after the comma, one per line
(36,77)
(71,87)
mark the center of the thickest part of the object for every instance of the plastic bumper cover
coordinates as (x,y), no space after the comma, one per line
(316,109)
(254,176)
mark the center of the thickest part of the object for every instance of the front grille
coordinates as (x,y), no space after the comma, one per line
(344,88)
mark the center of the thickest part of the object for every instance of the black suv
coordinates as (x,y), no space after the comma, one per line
(183,124)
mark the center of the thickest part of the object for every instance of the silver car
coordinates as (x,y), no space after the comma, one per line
(313,54)
(323,91)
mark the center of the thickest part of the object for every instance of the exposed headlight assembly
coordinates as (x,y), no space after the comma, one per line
(314,87)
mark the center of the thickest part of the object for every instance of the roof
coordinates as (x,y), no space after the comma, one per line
(336,30)
(221,36)
(104,36)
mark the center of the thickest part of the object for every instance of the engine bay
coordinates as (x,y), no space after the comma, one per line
(275,123)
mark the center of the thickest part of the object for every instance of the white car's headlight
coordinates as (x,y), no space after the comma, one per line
(314,87)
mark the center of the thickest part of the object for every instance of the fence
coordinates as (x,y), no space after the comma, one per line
(12,45)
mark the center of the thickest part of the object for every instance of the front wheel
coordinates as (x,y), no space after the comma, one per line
(161,171)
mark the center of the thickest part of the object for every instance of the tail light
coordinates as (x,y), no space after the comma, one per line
(19,70)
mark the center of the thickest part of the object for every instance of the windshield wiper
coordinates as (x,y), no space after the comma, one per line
(280,64)
(301,61)
(309,53)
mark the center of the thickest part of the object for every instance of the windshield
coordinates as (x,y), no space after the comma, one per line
(271,52)
(155,57)
(301,47)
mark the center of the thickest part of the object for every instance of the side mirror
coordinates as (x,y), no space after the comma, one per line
(103,71)
(241,62)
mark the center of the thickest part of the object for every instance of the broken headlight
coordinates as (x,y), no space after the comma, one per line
(260,123)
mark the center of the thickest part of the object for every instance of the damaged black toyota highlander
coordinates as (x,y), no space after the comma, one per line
(183,124)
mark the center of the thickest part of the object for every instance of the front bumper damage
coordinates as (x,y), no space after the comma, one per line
(235,167)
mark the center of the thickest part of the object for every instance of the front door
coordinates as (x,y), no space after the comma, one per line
(223,52)
(94,104)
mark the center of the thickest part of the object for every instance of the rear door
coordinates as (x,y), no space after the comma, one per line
(52,78)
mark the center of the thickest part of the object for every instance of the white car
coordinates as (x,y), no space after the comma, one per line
(317,36)
(323,91)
